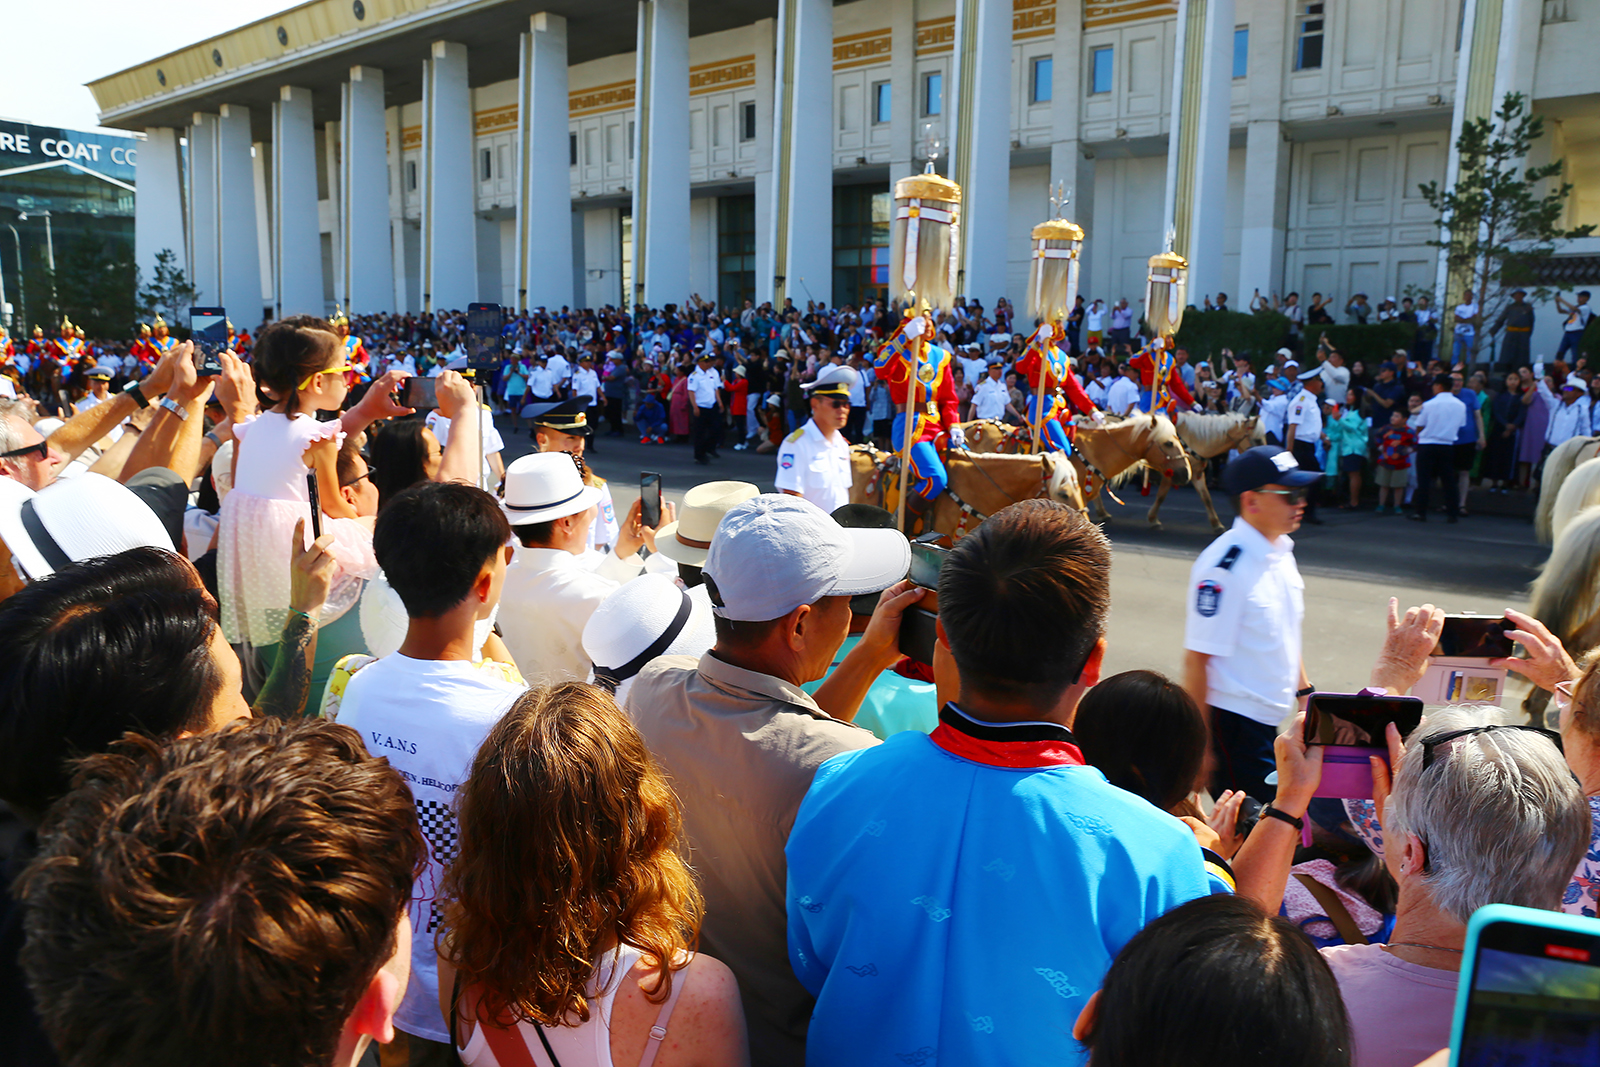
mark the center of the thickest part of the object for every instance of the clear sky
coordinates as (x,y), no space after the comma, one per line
(54,46)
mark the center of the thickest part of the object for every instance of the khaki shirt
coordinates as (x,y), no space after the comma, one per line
(741,749)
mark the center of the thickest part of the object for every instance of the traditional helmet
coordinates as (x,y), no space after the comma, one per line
(160,322)
(339,318)
(144,328)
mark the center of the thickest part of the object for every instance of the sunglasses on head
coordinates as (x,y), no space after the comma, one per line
(42,447)
(1429,744)
(370,471)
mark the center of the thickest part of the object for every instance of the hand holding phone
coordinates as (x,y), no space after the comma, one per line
(208,329)
(1352,728)
(316,504)
(421,393)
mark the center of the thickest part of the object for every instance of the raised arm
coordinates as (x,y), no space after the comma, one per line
(87,427)
(311,571)
(463,453)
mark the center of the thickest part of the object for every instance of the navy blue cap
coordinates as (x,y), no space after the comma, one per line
(1264,465)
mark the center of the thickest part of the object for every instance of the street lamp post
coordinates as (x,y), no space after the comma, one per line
(49,247)
(22,299)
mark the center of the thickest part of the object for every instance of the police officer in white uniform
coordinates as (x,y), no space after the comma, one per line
(1246,603)
(814,461)
(1303,429)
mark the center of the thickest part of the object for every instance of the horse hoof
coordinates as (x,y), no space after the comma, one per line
(1155,524)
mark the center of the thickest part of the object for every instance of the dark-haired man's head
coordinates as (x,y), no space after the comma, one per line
(234,898)
(440,543)
(120,643)
(1023,602)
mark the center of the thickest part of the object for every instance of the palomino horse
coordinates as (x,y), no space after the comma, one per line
(979,485)
(1566,595)
(1560,463)
(1108,454)
(1206,437)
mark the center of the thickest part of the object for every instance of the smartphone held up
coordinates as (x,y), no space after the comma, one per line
(208,329)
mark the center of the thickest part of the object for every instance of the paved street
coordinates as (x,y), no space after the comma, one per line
(1352,564)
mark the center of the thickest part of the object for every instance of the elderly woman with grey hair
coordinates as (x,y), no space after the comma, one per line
(1480,812)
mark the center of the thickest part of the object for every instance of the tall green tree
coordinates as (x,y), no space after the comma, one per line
(1497,226)
(93,285)
(169,294)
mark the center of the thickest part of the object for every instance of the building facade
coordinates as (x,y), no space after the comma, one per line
(415,155)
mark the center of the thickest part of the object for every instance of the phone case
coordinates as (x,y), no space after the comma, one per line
(1507,913)
(1346,774)
(1460,680)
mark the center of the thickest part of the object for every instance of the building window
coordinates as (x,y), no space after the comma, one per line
(747,121)
(882,101)
(572,149)
(736,249)
(933,93)
(485,164)
(1241,51)
(1309,24)
(411,177)
(861,243)
(1100,70)
(1040,75)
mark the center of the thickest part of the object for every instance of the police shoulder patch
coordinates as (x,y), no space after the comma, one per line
(1229,558)
(1207,598)
(801,432)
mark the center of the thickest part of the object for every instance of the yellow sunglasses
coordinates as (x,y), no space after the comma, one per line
(340,369)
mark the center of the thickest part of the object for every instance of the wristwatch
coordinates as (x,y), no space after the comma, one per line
(176,408)
(133,390)
(1270,812)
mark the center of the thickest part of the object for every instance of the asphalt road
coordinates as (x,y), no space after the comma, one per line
(1352,563)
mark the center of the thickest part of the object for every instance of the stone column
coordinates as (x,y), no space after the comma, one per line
(158,220)
(296,243)
(397,208)
(238,243)
(363,240)
(1265,222)
(661,154)
(766,40)
(1071,161)
(979,129)
(1197,149)
(903,135)
(543,252)
(202,183)
(449,195)
(802,153)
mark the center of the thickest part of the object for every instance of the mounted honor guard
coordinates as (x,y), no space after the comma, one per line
(924,244)
(1161,387)
(163,341)
(355,353)
(142,349)
(1054,390)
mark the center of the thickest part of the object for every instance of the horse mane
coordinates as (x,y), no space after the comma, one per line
(1557,466)
(1208,435)
(1566,595)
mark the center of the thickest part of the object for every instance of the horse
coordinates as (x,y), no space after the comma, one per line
(1206,437)
(1560,463)
(1579,491)
(979,484)
(1107,454)
(1566,595)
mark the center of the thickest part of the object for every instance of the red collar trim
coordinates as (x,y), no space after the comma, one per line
(987,744)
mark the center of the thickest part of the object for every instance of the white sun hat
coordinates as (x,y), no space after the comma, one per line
(689,538)
(545,486)
(775,552)
(75,520)
(647,617)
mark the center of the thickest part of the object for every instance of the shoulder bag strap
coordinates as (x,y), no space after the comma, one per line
(509,1049)
(1335,910)
(658,1032)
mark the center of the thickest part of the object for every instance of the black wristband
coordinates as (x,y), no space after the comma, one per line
(1270,812)
(133,390)
(1307,691)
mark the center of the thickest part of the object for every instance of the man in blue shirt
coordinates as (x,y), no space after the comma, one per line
(957,897)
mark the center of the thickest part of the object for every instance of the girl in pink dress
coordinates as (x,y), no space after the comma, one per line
(300,369)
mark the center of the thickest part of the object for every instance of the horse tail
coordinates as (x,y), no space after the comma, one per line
(1580,490)
(1557,466)
(1566,595)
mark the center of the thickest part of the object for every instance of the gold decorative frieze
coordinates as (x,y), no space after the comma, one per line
(936,35)
(725,74)
(1032,18)
(861,49)
(612,97)
(1112,12)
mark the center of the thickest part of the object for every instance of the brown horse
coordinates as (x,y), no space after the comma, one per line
(979,484)
(1207,437)
(1117,449)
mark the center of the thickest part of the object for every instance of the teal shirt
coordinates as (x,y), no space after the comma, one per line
(894,703)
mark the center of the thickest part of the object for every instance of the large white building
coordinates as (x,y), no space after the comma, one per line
(421,154)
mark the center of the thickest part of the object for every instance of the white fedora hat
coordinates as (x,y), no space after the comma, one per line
(75,520)
(689,538)
(545,486)
(647,617)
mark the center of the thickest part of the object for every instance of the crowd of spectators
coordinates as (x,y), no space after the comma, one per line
(424,754)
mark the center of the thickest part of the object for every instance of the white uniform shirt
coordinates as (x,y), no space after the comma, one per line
(548,598)
(815,467)
(586,383)
(541,383)
(1566,420)
(1121,395)
(703,386)
(1246,603)
(1305,415)
(990,398)
(1274,410)
(560,369)
(492,441)
(1440,420)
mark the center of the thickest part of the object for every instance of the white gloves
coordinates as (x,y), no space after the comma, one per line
(914,328)
(958,438)
(1097,416)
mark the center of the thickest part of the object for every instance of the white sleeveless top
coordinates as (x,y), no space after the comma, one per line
(586,1044)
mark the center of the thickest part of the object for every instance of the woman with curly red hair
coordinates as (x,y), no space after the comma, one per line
(571,916)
